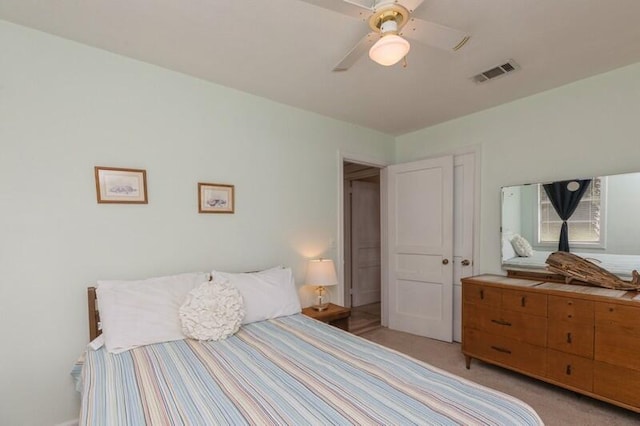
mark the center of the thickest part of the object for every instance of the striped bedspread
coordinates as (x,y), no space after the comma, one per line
(292,370)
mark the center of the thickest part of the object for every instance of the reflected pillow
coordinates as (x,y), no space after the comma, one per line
(267,294)
(212,311)
(137,313)
(522,246)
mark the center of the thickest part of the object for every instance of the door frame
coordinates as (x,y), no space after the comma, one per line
(366,161)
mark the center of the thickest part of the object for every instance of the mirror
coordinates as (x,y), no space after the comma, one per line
(604,227)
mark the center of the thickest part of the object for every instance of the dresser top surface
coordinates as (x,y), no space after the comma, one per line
(501,279)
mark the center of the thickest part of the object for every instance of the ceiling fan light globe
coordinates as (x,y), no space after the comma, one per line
(389,50)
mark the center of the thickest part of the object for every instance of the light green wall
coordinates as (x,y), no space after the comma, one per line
(65,108)
(623,205)
(587,128)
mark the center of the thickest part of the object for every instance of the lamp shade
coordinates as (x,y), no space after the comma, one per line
(321,272)
(389,49)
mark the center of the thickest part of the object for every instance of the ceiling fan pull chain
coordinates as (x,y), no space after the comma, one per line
(404,61)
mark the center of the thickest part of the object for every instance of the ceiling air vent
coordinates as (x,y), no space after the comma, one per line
(498,71)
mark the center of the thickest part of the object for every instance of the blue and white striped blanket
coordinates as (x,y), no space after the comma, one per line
(292,370)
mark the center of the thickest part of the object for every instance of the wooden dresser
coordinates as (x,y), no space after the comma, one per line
(586,339)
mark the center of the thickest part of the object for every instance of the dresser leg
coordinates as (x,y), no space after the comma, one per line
(467,361)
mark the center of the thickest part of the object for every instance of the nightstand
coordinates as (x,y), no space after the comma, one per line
(334,315)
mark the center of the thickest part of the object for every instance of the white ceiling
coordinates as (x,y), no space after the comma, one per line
(285,50)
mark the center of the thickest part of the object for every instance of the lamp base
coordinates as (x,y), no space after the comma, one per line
(322,307)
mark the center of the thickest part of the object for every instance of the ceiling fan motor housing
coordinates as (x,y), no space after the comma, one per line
(390,26)
(383,18)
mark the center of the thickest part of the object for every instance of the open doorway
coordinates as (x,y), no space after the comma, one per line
(362,246)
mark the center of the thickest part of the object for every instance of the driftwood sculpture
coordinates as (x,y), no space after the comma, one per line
(577,268)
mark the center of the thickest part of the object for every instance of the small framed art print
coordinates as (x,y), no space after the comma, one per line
(215,198)
(126,186)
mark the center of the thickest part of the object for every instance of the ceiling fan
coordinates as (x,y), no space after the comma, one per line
(390,21)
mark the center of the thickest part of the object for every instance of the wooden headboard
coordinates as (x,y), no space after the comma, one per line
(94,314)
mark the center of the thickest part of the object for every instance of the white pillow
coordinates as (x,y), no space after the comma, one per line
(266,294)
(521,246)
(507,248)
(136,313)
(212,311)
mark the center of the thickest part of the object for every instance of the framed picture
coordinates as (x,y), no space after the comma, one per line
(127,186)
(215,198)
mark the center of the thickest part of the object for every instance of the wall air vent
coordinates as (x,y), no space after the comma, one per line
(498,71)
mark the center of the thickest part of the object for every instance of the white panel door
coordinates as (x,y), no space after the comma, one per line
(420,247)
(365,242)
(463,213)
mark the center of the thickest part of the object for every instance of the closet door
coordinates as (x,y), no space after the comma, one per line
(420,247)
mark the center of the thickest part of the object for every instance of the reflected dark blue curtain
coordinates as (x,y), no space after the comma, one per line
(565,202)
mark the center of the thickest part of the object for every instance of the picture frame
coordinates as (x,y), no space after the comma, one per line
(216,198)
(121,186)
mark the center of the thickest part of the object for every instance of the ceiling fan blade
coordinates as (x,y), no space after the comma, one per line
(350,8)
(358,50)
(410,5)
(434,35)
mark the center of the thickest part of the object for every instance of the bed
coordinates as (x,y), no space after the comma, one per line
(286,370)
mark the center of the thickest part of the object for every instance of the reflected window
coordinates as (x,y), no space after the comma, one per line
(586,225)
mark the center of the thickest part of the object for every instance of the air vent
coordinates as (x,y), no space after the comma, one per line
(498,71)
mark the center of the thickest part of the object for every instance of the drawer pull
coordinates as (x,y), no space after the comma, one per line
(501,322)
(523,301)
(568,370)
(499,349)
(569,337)
(481,294)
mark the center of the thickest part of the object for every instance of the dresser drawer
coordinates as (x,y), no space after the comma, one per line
(570,337)
(620,315)
(525,302)
(571,310)
(617,383)
(516,325)
(505,351)
(569,369)
(617,345)
(481,295)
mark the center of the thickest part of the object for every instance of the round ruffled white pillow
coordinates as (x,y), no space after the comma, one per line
(212,311)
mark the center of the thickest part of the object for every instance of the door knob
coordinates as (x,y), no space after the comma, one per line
(465,262)
(445,261)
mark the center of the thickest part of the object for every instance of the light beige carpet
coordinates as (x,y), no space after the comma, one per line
(364,318)
(555,406)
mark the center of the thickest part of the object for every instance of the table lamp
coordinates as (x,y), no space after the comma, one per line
(321,273)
